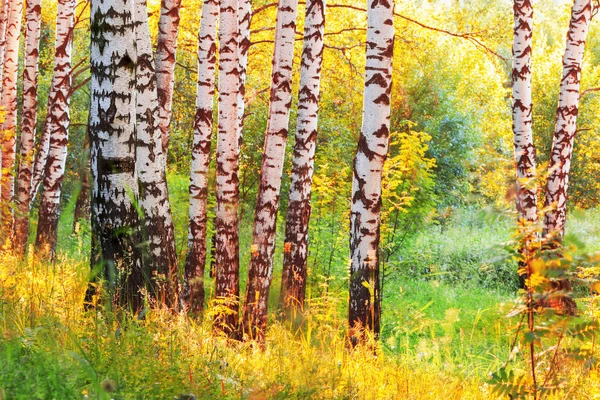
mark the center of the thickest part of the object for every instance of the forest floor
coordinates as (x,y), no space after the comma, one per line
(445,330)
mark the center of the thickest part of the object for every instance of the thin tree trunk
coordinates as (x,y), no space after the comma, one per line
(203,121)
(525,157)
(227,257)
(28,122)
(293,280)
(168,28)
(244,20)
(566,120)
(8,102)
(4,10)
(42,148)
(59,120)
(260,272)
(160,259)
(562,144)
(82,204)
(112,151)
(364,309)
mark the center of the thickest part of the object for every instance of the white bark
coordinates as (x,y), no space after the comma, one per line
(160,254)
(3,19)
(8,102)
(226,222)
(28,122)
(58,121)
(364,308)
(203,121)
(244,20)
(293,281)
(260,272)
(525,154)
(168,28)
(566,119)
(112,149)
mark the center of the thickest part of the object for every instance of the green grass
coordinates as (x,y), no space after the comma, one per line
(444,325)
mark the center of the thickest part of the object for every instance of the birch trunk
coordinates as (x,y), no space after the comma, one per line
(566,121)
(293,280)
(82,204)
(203,121)
(244,20)
(58,121)
(227,286)
(4,10)
(160,259)
(168,28)
(112,151)
(565,130)
(263,238)
(41,152)
(364,304)
(8,102)
(525,154)
(28,122)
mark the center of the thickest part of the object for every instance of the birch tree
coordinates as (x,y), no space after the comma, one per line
(28,122)
(112,150)
(58,127)
(160,255)
(244,20)
(168,28)
(566,120)
(203,121)
(364,308)
(293,280)
(226,220)
(42,149)
(3,20)
(8,103)
(263,237)
(522,107)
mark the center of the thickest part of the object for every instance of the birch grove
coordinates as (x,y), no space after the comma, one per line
(160,257)
(203,123)
(364,307)
(112,150)
(260,272)
(58,127)
(293,280)
(8,103)
(28,122)
(227,252)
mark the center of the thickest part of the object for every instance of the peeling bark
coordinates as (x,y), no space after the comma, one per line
(58,126)
(28,122)
(260,272)
(364,308)
(203,121)
(293,279)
